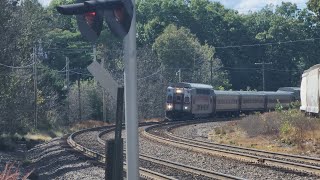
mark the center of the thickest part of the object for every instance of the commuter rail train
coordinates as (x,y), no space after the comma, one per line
(187,100)
(310,91)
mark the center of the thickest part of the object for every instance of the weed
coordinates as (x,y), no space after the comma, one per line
(217,130)
(11,172)
(223,131)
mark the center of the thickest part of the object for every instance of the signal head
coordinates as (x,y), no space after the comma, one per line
(90,23)
(119,18)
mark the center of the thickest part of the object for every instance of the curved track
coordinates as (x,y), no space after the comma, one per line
(292,162)
(144,173)
(191,171)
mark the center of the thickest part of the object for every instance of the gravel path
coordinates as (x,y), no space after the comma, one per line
(222,165)
(56,160)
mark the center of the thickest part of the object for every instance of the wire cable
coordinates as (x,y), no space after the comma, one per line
(16,67)
(142,78)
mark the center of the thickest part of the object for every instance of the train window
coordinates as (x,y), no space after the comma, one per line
(169,99)
(178,98)
(203,91)
(186,99)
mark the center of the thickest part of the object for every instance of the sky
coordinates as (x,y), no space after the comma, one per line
(242,6)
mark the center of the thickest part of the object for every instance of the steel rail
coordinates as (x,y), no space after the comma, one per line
(233,155)
(175,165)
(269,154)
(144,173)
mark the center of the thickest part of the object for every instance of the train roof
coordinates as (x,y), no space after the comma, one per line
(191,85)
(312,68)
(226,92)
(250,93)
(289,89)
(276,92)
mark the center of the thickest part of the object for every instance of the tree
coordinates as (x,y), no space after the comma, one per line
(178,49)
(314,5)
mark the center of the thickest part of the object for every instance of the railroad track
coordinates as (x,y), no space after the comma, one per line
(178,166)
(144,173)
(292,162)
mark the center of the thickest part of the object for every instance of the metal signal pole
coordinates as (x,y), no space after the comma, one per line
(131,117)
(263,73)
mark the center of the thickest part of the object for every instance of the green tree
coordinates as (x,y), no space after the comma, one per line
(178,49)
(314,5)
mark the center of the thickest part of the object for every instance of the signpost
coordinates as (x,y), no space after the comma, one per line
(104,78)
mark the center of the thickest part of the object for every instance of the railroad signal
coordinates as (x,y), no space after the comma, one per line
(118,14)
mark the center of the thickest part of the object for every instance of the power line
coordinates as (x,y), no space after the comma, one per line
(159,70)
(250,45)
(16,67)
(80,73)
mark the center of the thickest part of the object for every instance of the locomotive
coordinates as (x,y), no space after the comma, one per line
(192,100)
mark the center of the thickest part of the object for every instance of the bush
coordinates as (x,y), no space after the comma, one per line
(261,124)
(291,126)
(279,106)
(217,130)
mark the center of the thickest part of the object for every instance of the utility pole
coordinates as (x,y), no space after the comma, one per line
(211,73)
(67,74)
(79,95)
(67,87)
(179,73)
(35,79)
(263,73)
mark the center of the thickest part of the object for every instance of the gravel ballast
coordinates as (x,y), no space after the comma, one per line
(212,163)
(56,160)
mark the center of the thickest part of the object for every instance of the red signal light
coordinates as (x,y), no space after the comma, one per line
(90,17)
(119,14)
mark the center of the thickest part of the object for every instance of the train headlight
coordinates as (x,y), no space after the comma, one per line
(169,106)
(178,91)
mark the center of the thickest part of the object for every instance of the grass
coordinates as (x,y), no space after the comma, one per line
(85,124)
(280,131)
(8,142)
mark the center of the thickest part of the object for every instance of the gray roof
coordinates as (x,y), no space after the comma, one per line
(248,93)
(276,93)
(290,88)
(226,92)
(191,85)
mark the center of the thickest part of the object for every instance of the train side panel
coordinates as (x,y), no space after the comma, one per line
(313,91)
(303,92)
(273,98)
(202,101)
(227,101)
(252,101)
